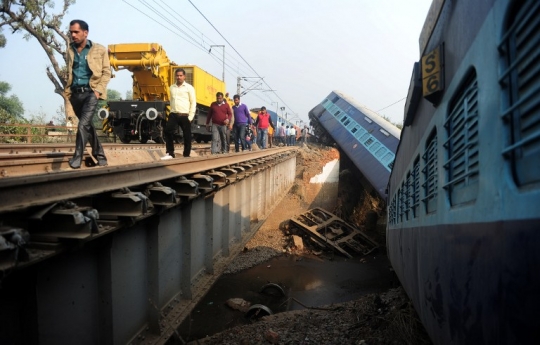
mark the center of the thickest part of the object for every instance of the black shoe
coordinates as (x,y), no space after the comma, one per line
(73,166)
(102,163)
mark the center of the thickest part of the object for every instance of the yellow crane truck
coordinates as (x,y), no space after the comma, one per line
(143,118)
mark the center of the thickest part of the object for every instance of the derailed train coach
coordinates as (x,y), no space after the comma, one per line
(463,230)
(365,137)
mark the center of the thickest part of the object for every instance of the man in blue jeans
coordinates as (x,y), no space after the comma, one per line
(242,119)
(262,123)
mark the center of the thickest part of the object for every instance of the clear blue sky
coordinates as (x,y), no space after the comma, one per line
(303,49)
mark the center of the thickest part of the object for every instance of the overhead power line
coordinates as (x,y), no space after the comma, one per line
(388,106)
(240,55)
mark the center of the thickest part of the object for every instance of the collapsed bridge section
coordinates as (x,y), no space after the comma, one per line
(112,254)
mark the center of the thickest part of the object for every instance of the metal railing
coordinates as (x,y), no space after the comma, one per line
(40,134)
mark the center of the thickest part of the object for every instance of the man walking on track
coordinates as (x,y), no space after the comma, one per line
(220,114)
(183,105)
(89,73)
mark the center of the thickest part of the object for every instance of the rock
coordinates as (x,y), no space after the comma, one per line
(271,336)
(298,243)
(238,304)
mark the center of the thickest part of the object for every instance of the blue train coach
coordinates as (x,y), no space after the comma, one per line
(364,136)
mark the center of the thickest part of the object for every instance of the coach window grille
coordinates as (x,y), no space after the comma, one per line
(462,164)
(360,133)
(407,196)
(520,83)
(430,174)
(393,211)
(415,195)
(375,146)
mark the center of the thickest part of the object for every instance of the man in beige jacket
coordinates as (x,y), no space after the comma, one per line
(89,73)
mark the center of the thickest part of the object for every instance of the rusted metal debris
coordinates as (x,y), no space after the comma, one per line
(328,230)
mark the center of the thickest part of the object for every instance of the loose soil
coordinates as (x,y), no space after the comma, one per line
(382,318)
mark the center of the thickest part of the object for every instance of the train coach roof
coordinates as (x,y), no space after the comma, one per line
(385,124)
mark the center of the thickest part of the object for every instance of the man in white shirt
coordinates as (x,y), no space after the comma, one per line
(183,105)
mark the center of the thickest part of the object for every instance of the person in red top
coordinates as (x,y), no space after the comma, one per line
(220,114)
(262,123)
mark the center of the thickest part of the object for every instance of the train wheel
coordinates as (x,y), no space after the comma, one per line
(125,140)
(144,140)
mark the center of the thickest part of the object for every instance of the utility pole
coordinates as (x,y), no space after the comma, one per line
(221,46)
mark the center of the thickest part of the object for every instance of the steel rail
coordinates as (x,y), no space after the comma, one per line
(32,190)
(15,149)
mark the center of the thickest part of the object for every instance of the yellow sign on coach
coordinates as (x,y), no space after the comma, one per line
(432,73)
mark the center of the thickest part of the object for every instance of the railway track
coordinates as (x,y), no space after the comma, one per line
(31,159)
(37,174)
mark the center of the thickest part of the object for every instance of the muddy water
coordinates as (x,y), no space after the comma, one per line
(307,281)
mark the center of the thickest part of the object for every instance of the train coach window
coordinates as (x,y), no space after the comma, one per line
(520,82)
(361,132)
(337,113)
(430,185)
(415,188)
(343,119)
(462,164)
(368,142)
(354,130)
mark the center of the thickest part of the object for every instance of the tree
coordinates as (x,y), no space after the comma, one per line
(12,108)
(35,18)
(113,95)
(129,95)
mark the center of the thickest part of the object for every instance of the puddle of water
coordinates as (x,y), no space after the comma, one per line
(310,280)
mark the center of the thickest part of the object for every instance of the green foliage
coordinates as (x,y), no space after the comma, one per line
(37,19)
(129,95)
(12,107)
(113,95)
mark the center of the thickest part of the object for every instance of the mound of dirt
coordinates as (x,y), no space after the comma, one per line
(384,318)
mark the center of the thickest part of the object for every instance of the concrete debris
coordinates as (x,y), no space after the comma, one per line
(271,336)
(298,243)
(238,304)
